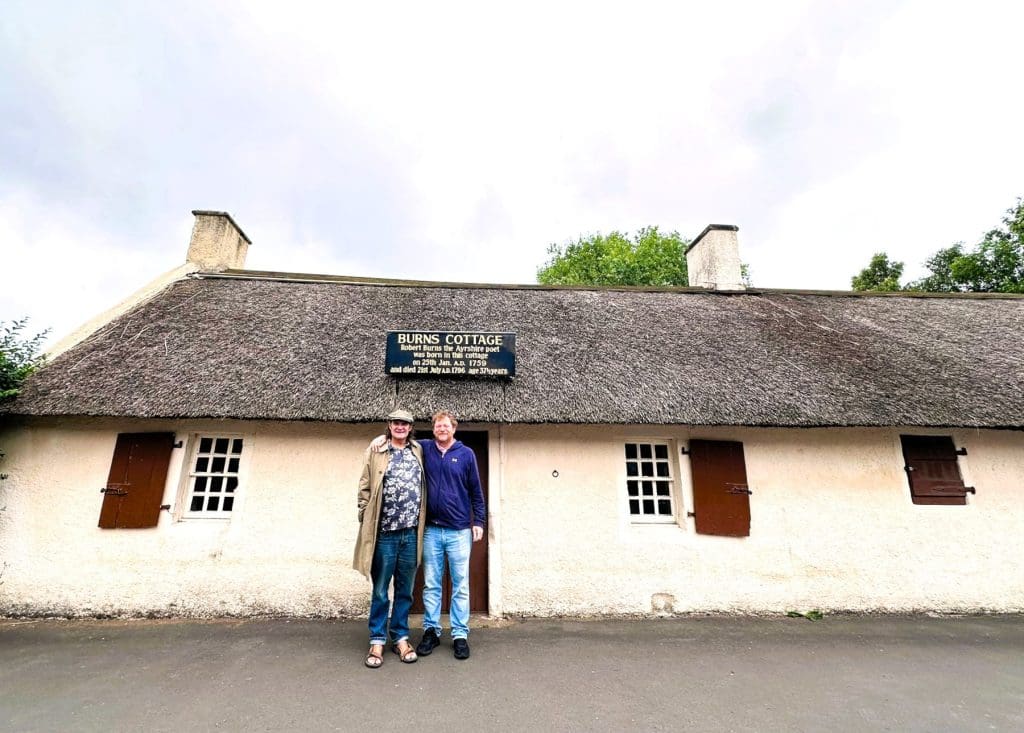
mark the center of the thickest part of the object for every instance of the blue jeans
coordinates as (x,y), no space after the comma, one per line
(394,556)
(456,544)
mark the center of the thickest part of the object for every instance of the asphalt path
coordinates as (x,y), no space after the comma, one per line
(842,673)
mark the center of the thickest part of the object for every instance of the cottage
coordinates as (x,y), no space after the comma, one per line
(195,450)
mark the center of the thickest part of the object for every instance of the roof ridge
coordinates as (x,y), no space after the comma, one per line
(299,277)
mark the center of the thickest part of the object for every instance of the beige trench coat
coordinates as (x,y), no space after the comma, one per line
(371,490)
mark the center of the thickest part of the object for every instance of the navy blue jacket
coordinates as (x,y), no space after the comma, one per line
(454,497)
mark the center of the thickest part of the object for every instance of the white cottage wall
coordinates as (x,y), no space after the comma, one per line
(287,549)
(832,527)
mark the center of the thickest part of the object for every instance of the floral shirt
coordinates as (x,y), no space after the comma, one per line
(402,481)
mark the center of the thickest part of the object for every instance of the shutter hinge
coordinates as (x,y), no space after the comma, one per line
(961,452)
(179,444)
(691,514)
(908,469)
(115,492)
(684,451)
(165,507)
(970,490)
(738,489)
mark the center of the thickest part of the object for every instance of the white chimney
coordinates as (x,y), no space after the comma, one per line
(218,243)
(713,259)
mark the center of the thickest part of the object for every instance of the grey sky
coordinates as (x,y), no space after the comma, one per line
(455,141)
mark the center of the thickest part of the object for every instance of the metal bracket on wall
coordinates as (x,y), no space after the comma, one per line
(962,452)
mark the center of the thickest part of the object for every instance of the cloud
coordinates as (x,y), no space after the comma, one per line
(456,140)
(64,268)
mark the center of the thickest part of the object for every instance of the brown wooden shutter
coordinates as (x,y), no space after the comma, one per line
(721,499)
(135,485)
(932,470)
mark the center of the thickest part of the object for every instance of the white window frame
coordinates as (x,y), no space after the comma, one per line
(674,495)
(191,474)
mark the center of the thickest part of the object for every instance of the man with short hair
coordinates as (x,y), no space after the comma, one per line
(456,516)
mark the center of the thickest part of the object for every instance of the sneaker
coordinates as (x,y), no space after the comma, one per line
(461,648)
(427,643)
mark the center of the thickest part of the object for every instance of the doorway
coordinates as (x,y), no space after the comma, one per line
(478,587)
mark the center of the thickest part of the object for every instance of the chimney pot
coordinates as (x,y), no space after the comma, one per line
(218,243)
(713,259)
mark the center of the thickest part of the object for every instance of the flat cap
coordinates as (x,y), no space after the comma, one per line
(403,415)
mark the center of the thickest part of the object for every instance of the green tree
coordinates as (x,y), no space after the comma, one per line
(996,265)
(647,258)
(19,356)
(940,265)
(881,274)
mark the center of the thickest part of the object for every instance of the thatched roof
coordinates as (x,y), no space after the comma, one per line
(264,346)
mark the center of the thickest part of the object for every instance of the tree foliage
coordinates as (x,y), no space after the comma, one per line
(649,257)
(19,356)
(881,274)
(994,265)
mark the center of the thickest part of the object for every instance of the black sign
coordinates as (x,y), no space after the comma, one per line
(450,354)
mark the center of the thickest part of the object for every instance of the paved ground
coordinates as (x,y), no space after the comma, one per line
(705,674)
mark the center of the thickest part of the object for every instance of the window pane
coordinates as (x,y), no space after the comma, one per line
(661,451)
(202,465)
(200,484)
(645,450)
(631,451)
(233,465)
(236,446)
(213,504)
(631,469)
(197,504)
(217,465)
(222,445)
(229,502)
(647,469)
(664,506)
(216,482)
(648,506)
(632,487)
(663,488)
(232,484)
(648,488)
(634,506)
(662,469)
(205,444)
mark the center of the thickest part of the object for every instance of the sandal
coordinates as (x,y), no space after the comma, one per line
(408,655)
(374,659)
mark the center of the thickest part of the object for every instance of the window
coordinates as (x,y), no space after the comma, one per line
(932,470)
(213,476)
(650,486)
